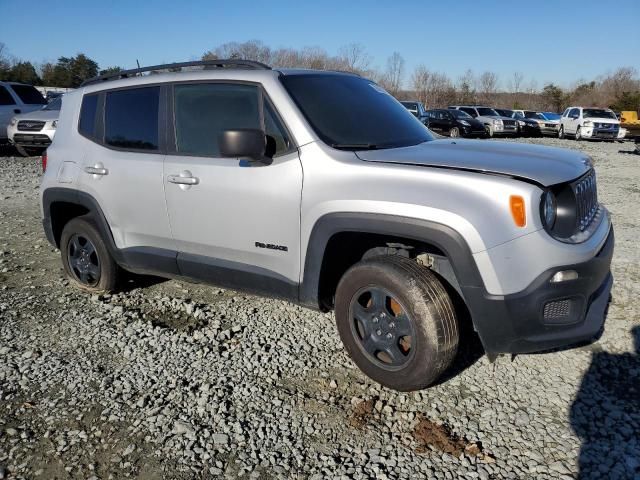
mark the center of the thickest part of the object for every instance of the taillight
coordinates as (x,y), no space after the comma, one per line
(44,162)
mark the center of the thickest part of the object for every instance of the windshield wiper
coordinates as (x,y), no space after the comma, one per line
(355,146)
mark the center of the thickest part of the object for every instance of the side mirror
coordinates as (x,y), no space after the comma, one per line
(243,143)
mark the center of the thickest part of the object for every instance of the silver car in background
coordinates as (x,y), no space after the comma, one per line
(494,123)
(31,133)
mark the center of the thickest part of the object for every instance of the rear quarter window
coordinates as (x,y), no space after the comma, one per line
(87,123)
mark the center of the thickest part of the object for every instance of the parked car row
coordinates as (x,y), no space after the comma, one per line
(480,121)
(27,121)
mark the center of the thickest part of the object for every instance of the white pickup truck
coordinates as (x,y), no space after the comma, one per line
(589,123)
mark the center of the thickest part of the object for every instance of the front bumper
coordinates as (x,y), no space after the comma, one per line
(473,132)
(40,138)
(600,133)
(547,315)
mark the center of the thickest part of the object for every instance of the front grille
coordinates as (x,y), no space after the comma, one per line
(30,125)
(558,310)
(550,125)
(509,123)
(586,193)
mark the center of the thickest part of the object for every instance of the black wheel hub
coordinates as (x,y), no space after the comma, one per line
(382,327)
(83,260)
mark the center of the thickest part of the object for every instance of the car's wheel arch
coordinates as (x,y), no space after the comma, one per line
(444,238)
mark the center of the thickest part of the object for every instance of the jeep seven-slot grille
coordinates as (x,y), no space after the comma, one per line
(30,125)
(586,194)
(509,123)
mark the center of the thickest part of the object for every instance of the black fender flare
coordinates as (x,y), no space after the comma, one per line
(441,236)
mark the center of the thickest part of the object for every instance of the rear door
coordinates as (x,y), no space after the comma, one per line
(122,169)
(235,223)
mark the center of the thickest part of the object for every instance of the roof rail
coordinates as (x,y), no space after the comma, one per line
(222,63)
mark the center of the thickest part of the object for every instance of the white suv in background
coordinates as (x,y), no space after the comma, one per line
(589,123)
(16,98)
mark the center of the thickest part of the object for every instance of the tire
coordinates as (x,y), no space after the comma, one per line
(29,152)
(489,131)
(85,257)
(22,151)
(578,136)
(454,132)
(561,132)
(392,304)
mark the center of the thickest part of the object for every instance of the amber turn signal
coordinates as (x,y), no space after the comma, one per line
(516,202)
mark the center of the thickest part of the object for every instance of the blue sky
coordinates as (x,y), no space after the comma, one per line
(546,40)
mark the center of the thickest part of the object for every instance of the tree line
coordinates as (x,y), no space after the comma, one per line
(619,90)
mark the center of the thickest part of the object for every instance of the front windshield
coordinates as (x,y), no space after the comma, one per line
(598,113)
(535,115)
(551,116)
(460,114)
(353,113)
(54,104)
(487,112)
(503,112)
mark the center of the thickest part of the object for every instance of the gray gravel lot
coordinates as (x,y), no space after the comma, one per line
(176,380)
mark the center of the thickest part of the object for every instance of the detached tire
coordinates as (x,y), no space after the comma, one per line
(397,322)
(85,257)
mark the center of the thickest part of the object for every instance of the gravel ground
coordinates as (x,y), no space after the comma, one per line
(175,380)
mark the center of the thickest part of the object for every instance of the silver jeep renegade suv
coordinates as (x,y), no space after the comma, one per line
(322,189)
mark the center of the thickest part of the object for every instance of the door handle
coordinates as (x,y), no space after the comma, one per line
(179,180)
(96,170)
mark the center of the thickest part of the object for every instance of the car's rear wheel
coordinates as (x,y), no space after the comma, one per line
(454,132)
(396,321)
(85,257)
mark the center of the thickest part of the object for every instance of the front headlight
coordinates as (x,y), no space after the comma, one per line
(13,121)
(521,123)
(588,123)
(54,124)
(549,209)
(465,123)
(497,122)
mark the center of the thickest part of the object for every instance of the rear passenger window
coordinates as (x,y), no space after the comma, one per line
(204,111)
(5,97)
(87,124)
(131,118)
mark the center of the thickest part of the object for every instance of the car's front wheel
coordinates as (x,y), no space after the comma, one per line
(489,131)
(561,132)
(454,132)
(396,321)
(85,257)
(578,134)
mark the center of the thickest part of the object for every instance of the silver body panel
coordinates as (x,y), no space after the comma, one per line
(465,185)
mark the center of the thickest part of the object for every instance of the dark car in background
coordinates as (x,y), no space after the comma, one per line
(417,108)
(527,127)
(454,123)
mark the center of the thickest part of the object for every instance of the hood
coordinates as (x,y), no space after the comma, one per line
(42,115)
(542,165)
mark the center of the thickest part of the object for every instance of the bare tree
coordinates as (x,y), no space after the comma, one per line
(466,88)
(488,87)
(355,57)
(433,89)
(251,50)
(420,80)
(392,79)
